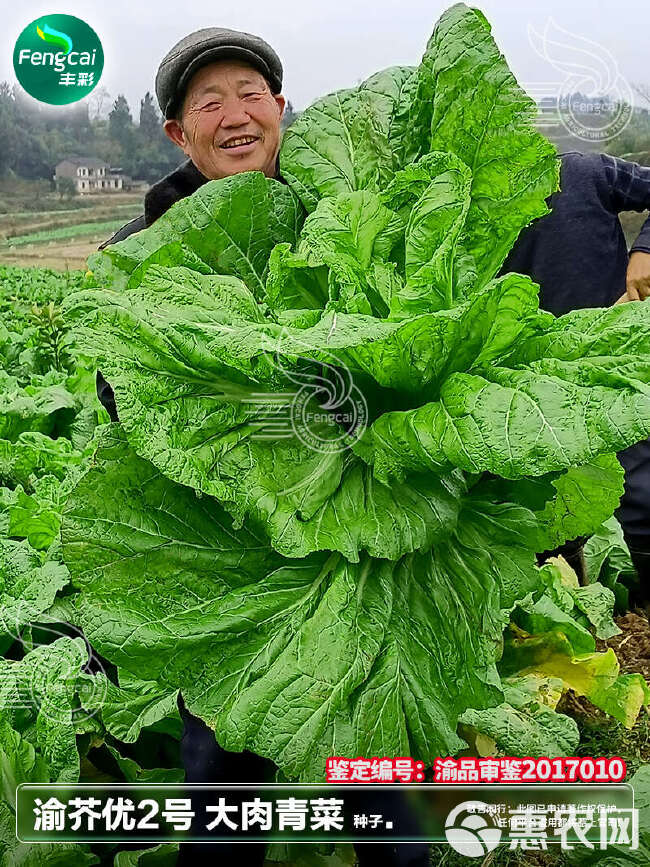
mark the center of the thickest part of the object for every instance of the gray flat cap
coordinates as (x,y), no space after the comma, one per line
(204,46)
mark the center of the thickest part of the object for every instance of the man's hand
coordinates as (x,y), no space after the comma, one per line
(638,276)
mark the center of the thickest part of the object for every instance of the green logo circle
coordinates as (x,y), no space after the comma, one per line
(58,59)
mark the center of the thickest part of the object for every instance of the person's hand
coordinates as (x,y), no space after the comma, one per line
(637,282)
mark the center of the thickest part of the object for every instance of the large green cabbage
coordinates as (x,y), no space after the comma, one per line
(343,436)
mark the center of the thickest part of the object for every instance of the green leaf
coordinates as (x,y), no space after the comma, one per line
(45,407)
(341,144)
(19,763)
(622,699)
(595,337)
(294,283)
(607,560)
(128,708)
(133,773)
(468,103)
(37,698)
(525,724)
(546,616)
(414,355)
(351,235)
(513,423)
(592,604)
(597,604)
(27,587)
(207,416)
(16,854)
(37,517)
(567,505)
(393,90)
(35,454)
(557,653)
(231,224)
(585,495)
(247,636)
(436,268)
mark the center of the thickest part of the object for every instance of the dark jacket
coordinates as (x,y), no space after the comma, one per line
(578,253)
(182,182)
(595,189)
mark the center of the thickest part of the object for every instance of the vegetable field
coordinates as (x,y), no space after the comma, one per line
(75,231)
(63,239)
(343,436)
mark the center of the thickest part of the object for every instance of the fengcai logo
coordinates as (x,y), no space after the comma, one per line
(58,59)
(56,37)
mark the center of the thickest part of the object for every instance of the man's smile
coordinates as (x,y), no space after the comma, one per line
(239,144)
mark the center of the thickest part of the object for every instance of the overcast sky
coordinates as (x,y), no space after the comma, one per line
(330,44)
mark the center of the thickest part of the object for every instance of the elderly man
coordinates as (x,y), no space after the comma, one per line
(219,91)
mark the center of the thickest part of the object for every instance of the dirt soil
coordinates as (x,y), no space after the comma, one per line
(62,256)
(632,646)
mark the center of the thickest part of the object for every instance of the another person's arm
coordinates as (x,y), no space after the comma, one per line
(630,189)
(638,276)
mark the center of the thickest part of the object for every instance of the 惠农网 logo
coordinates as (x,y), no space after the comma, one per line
(469,829)
(58,59)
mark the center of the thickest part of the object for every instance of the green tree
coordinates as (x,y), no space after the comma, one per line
(66,188)
(120,123)
(149,118)
(8,129)
(98,103)
(27,155)
(35,137)
(290,114)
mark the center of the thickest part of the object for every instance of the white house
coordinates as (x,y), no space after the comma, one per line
(90,175)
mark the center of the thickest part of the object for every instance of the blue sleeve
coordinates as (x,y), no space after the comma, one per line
(629,185)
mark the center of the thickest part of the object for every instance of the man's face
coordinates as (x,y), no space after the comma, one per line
(226,101)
